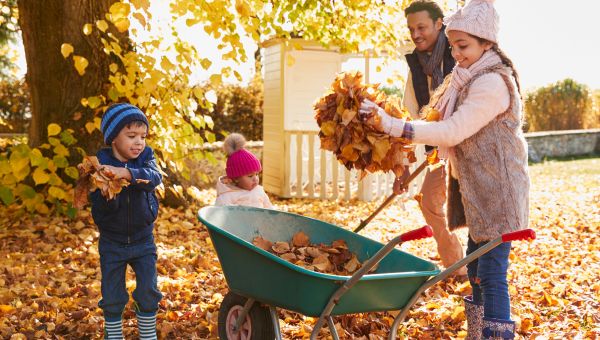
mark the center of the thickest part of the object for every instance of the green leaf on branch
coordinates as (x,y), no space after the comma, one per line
(60,161)
(72,172)
(67,137)
(25,191)
(6,195)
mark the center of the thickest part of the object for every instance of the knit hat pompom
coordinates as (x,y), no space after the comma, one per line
(234,142)
(478,18)
(240,162)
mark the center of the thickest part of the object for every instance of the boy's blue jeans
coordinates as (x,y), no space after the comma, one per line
(114,258)
(487,275)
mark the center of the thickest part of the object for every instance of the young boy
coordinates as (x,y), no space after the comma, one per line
(126,222)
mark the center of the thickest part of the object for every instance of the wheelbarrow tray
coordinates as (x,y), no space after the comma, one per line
(258,274)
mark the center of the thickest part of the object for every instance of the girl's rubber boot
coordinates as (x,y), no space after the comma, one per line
(498,329)
(474,314)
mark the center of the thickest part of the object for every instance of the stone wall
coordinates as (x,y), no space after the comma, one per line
(562,143)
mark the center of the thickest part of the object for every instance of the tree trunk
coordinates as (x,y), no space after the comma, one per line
(56,87)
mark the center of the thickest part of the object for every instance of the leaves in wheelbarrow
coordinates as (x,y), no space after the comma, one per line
(332,259)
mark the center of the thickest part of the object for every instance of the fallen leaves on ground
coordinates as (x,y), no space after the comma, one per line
(356,144)
(93,176)
(50,274)
(333,259)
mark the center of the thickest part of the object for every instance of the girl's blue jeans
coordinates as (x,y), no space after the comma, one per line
(114,258)
(487,275)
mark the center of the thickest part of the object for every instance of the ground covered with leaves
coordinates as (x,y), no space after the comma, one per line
(50,275)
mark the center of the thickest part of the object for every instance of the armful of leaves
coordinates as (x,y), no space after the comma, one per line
(92,176)
(358,143)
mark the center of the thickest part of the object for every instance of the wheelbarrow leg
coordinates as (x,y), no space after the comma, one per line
(275,319)
(369,264)
(332,329)
(243,314)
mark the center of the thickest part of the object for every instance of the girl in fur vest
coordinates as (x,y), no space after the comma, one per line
(481,138)
(240,186)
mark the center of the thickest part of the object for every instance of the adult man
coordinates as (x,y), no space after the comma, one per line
(429,63)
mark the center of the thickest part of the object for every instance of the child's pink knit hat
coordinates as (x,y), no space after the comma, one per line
(478,18)
(240,162)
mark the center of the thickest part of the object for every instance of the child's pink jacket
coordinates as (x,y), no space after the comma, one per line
(229,194)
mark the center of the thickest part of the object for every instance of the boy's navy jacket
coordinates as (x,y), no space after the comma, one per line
(129,217)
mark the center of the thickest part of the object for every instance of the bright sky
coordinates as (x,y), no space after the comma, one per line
(548,40)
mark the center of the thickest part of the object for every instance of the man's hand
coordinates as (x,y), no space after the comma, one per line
(118,172)
(399,187)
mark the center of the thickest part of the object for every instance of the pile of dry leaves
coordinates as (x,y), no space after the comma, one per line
(331,259)
(357,144)
(93,176)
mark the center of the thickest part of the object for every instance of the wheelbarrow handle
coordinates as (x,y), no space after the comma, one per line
(525,234)
(416,234)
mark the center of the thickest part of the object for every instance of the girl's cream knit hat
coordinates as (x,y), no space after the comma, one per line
(478,18)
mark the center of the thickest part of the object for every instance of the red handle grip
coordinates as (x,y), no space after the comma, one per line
(525,234)
(416,234)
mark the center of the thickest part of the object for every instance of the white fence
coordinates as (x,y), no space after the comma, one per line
(315,173)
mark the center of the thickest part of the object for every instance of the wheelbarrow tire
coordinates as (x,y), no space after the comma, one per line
(258,322)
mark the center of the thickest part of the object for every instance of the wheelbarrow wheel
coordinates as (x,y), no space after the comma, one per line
(256,326)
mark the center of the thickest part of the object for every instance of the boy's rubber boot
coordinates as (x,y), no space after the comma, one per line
(474,314)
(146,325)
(498,329)
(113,328)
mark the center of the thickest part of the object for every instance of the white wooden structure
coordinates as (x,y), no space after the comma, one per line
(296,73)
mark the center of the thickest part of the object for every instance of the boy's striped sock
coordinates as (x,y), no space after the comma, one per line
(113,328)
(146,325)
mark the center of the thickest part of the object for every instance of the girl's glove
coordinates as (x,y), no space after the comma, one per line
(390,125)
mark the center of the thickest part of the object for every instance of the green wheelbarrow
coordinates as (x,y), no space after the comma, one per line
(259,282)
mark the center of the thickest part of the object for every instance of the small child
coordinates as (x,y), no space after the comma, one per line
(126,222)
(481,136)
(240,186)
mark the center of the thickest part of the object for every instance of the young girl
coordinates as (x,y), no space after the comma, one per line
(240,186)
(480,135)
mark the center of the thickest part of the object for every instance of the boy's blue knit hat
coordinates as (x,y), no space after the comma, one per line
(118,116)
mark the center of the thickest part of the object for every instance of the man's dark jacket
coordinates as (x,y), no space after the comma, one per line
(130,216)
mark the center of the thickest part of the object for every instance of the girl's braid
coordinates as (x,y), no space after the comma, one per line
(506,61)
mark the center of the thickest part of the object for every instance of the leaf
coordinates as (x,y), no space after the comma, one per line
(40,176)
(94,102)
(211,96)
(57,192)
(53,129)
(262,243)
(281,247)
(90,127)
(66,50)
(300,239)
(80,63)
(102,26)
(72,172)
(87,29)
(6,195)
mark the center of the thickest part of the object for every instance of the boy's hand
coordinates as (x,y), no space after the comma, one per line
(118,172)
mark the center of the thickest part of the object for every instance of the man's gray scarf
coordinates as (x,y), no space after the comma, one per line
(432,63)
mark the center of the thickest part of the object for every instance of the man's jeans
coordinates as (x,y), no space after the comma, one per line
(114,258)
(487,275)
